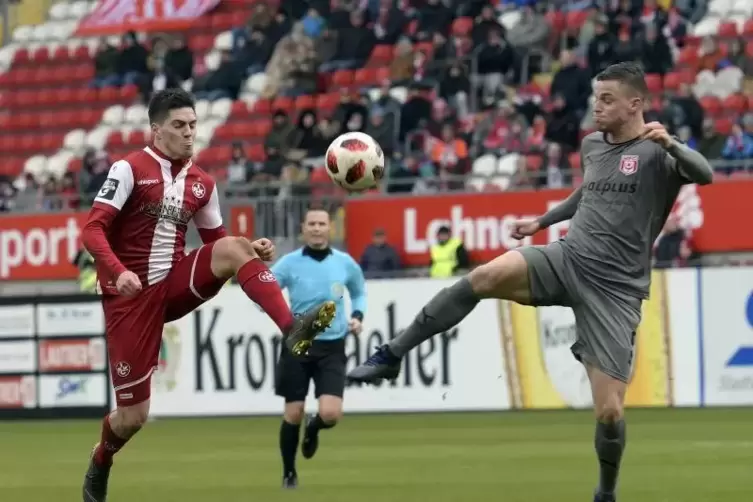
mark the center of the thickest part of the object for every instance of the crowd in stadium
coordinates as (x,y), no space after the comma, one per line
(459,82)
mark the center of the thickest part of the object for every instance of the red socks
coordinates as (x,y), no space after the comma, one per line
(109,444)
(261,287)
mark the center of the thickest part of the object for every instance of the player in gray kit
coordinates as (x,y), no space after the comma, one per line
(633,172)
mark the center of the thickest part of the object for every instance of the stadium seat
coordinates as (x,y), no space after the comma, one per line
(462,26)
(735,103)
(711,105)
(654,83)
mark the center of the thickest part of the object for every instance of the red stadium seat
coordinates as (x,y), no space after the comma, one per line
(711,105)
(365,77)
(239,109)
(574,160)
(556,20)
(735,103)
(262,107)
(462,26)
(137,138)
(654,83)
(305,102)
(688,56)
(283,103)
(41,56)
(576,18)
(128,93)
(255,153)
(727,30)
(748,28)
(60,55)
(81,54)
(21,56)
(342,78)
(672,81)
(115,140)
(534,162)
(749,49)
(723,126)
(381,55)
(75,164)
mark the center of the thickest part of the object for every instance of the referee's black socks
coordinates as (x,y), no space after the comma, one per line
(317,424)
(289,434)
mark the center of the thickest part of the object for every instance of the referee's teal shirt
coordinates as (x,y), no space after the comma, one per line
(312,276)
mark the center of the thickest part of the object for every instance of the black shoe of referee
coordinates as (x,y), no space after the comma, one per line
(95,481)
(298,340)
(310,439)
(290,481)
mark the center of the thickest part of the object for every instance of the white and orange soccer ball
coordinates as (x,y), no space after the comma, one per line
(355,162)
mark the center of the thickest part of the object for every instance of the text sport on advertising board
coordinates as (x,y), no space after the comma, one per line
(221,359)
(484,220)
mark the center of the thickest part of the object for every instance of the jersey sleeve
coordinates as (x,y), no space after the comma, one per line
(280,270)
(357,288)
(209,216)
(117,188)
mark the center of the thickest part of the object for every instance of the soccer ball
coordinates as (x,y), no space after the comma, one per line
(355,161)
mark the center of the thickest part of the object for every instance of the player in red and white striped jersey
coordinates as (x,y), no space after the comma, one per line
(136,233)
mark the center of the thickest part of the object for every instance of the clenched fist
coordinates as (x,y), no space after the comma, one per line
(265,248)
(128,283)
(524,228)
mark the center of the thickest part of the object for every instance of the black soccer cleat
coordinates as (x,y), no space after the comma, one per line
(290,481)
(310,440)
(604,497)
(382,365)
(95,481)
(298,340)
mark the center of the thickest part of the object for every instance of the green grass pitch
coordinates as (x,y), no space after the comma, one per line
(672,456)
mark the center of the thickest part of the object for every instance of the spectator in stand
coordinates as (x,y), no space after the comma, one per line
(179,59)
(106,66)
(735,54)
(524,178)
(483,24)
(653,14)
(51,200)
(69,192)
(240,170)
(676,28)
(625,49)
(99,165)
(530,32)
(496,59)
(622,15)
(292,63)
(389,25)
(326,47)
(441,114)
(159,77)
(355,44)
(224,82)
(600,52)
(280,137)
(691,111)
(379,260)
(261,19)
(352,113)
(272,167)
(572,82)
(739,146)
(28,193)
(308,139)
(7,195)
(556,169)
(433,17)
(402,65)
(279,27)
(450,154)
(385,102)
(455,87)
(685,134)
(382,130)
(339,17)
(747,122)
(414,112)
(656,56)
(711,143)
(132,60)
(563,125)
(254,53)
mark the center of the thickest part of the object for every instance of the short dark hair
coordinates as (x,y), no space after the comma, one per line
(629,73)
(166,100)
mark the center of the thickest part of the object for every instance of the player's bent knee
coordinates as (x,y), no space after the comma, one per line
(505,277)
(330,415)
(294,413)
(230,253)
(133,418)
(609,412)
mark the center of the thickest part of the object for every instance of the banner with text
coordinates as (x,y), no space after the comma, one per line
(484,220)
(115,17)
(221,360)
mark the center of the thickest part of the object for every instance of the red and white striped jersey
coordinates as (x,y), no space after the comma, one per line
(155,199)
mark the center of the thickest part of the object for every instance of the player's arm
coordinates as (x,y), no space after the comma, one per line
(356,285)
(107,204)
(562,211)
(689,163)
(208,219)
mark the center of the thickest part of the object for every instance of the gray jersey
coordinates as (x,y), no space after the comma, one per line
(627,193)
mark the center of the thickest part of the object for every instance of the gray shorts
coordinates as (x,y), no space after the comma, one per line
(605,319)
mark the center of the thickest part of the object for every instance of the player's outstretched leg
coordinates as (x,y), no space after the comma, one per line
(117,428)
(237,256)
(610,437)
(505,277)
(330,412)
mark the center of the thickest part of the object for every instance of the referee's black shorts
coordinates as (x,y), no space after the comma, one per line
(324,364)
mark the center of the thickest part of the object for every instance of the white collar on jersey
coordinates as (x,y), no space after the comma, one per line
(165,162)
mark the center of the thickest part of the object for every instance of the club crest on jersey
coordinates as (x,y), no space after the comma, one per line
(198,190)
(123,369)
(629,164)
(267,276)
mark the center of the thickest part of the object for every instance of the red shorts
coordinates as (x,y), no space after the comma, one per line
(134,324)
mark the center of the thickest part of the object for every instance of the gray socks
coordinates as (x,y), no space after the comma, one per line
(610,443)
(445,310)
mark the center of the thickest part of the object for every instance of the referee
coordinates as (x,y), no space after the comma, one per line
(312,274)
